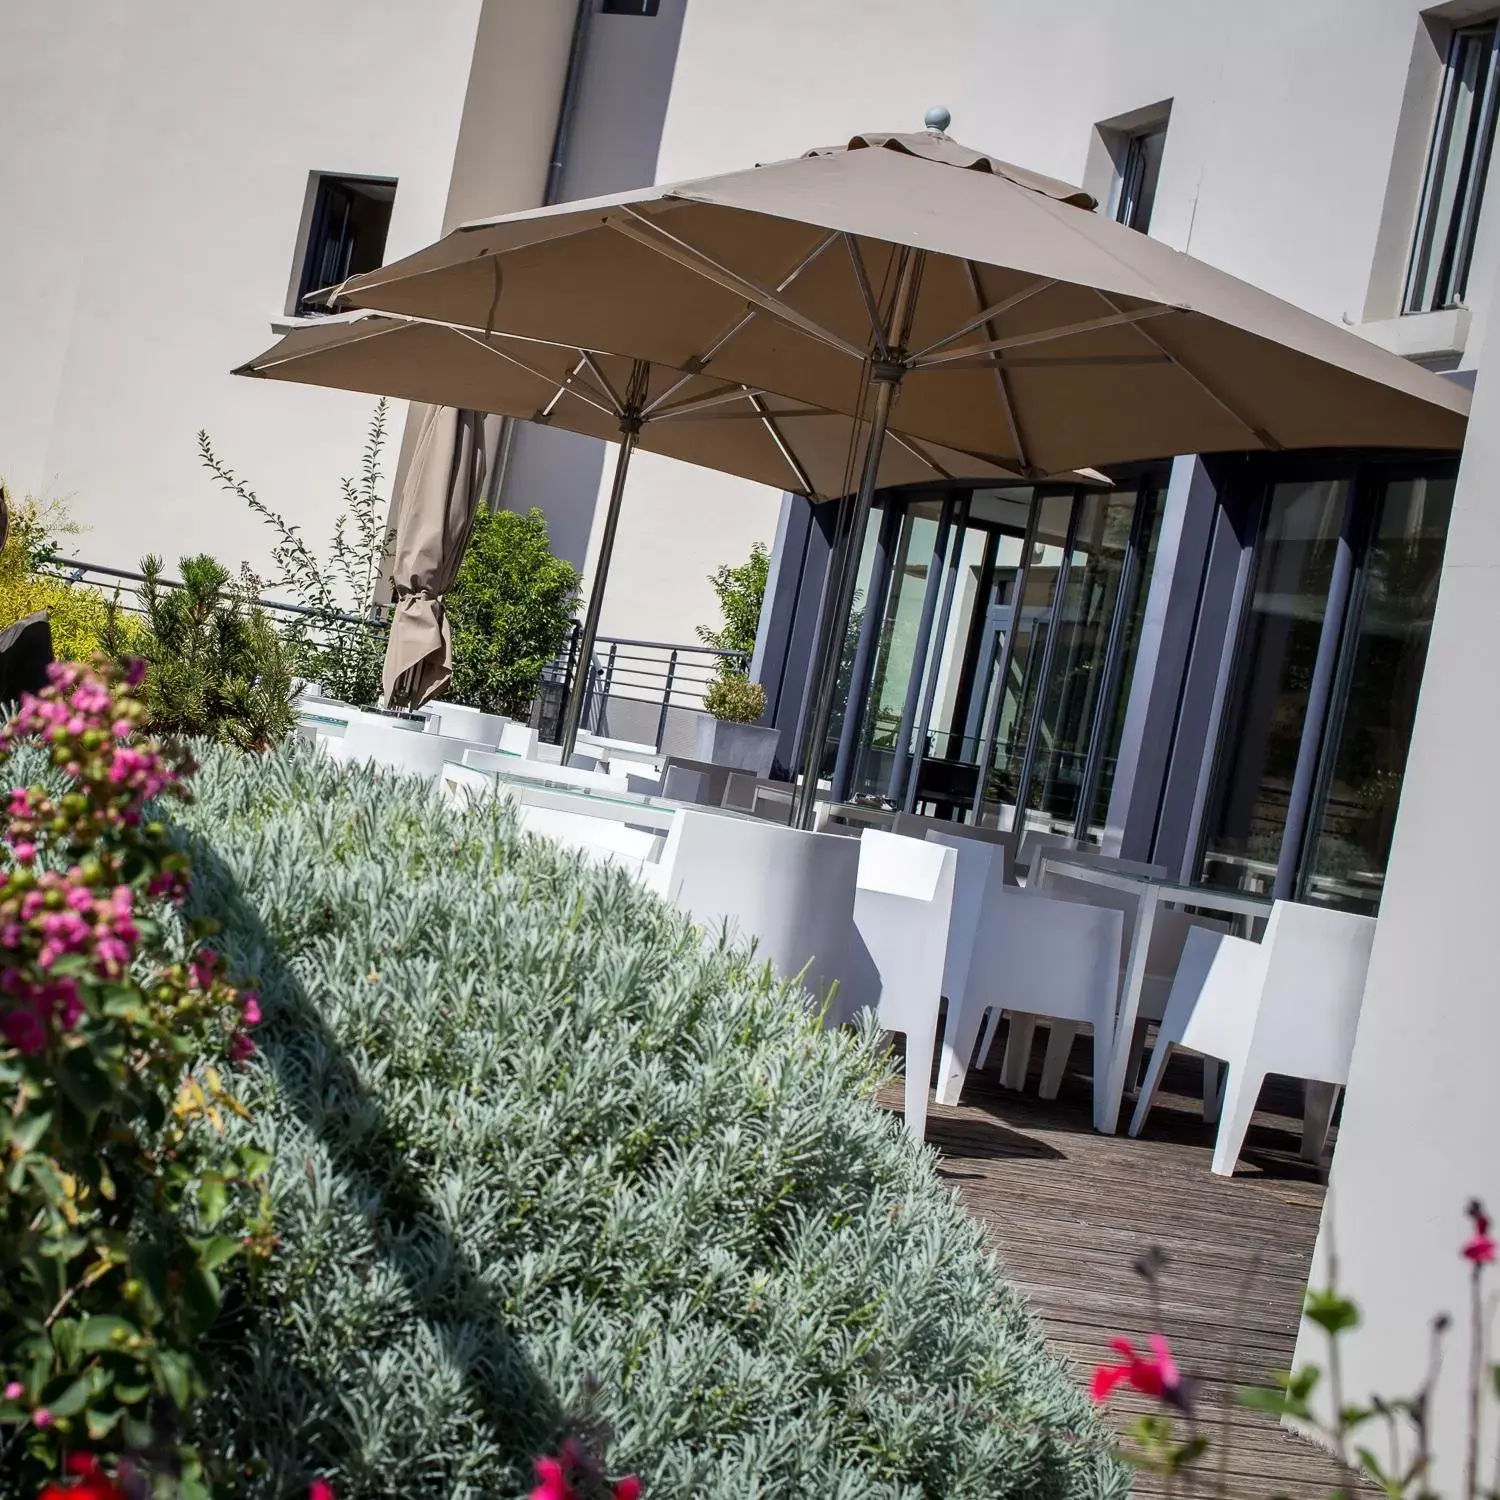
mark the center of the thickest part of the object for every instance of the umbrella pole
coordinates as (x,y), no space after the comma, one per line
(885,375)
(630,427)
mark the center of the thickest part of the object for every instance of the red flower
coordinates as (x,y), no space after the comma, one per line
(551,1483)
(1480,1248)
(320,1489)
(90,1483)
(628,1488)
(1157,1377)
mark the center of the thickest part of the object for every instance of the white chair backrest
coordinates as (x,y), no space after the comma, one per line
(1316,964)
(789,890)
(774,804)
(532,770)
(902,909)
(916,826)
(683,784)
(472,724)
(461,783)
(517,739)
(978,865)
(1050,860)
(399,748)
(596,836)
(715,778)
(1033,839)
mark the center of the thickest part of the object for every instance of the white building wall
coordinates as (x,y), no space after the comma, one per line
(153,175)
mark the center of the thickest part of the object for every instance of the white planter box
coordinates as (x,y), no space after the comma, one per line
(746,747)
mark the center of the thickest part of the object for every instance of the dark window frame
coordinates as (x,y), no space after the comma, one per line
(347,228)
(1139,173)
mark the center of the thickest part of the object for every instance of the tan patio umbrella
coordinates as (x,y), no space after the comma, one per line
(703,420)
(1014,323)
(434,515)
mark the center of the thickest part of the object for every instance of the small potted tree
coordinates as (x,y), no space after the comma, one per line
(727,735)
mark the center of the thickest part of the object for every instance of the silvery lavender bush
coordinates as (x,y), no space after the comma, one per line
(544,1164)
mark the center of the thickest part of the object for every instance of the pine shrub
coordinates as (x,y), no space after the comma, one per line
(544,1164)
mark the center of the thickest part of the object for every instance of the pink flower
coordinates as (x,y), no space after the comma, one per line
(1157,1376)
(24,851)
(205,966)
(551,1483)
(251,1009)
(628,1488)
(320,1489)
(14,1391)
(23,1029)
(1480,1248)
(135,672)
(241,1047)
(42,1417)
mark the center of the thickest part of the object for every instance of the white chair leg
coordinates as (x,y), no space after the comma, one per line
(1213,1090)
(1060,1036)
(1147,1096)
(1102,1058)
(920,1046)
(1017,1051)
(959,1036)
(1318,1101)
(991,1026)
(1241,1090)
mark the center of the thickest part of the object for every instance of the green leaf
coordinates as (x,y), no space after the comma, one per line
(1330,1311)
(213,1199)
(254,1162)
(171,1371)
(73,1399)
(106,1331)
(84,1081)
(25,1135)
(214,1252)
(101,1423)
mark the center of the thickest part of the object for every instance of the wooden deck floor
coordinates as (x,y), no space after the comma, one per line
(1069,1211)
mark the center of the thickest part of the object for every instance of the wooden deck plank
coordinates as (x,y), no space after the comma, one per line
(1069,1211)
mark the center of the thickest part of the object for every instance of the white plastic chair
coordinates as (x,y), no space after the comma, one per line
(790,890)
(517,739)
(1031,842)
(601,839)
(1287,1004)
(1025,952)
(1050,860)
(902,907)
(472,724)
(517,768)
(918,826)
(397,747)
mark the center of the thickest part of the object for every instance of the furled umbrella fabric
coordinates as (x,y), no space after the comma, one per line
(434,515)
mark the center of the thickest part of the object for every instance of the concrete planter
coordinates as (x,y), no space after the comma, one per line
(745,747)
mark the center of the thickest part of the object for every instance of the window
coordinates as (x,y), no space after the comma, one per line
(346,233)
(1456,164)
(629,7)
(1140,166)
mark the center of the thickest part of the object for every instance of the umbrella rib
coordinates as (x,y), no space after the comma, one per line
(1045,335)
(644,232)
(255,366)
(561,388)
(912,447)
(1027,292)
(784,447)
(698,403)
(1258,433)
(862,277)
(604,384)
(1011,419)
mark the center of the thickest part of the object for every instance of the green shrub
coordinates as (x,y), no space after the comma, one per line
(544,1163)
(115,1177)
(218,668)
(509,609)
(735,699)
(343,656)
(76,614)
(740,591)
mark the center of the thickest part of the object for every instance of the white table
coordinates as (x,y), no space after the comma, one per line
(1150,895)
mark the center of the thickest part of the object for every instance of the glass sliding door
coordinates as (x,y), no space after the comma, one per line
(1393,522)
(1375,702)
(1263,724)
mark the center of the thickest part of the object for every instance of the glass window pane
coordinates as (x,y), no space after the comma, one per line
(942,741)
(1458,160)
(1351,832)
(851,638)
(1076,674)
(1263,719)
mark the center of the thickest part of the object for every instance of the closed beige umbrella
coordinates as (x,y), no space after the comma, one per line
(434,514)
(1014,323)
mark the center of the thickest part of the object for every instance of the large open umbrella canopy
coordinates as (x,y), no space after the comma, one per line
(701,419)
(1014,323)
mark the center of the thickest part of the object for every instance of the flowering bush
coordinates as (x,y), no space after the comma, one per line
(115,1171)
(1163,1447)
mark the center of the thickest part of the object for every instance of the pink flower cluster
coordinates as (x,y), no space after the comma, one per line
(558,1478)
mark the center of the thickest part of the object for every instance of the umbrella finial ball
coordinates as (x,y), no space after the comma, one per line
(938,118)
